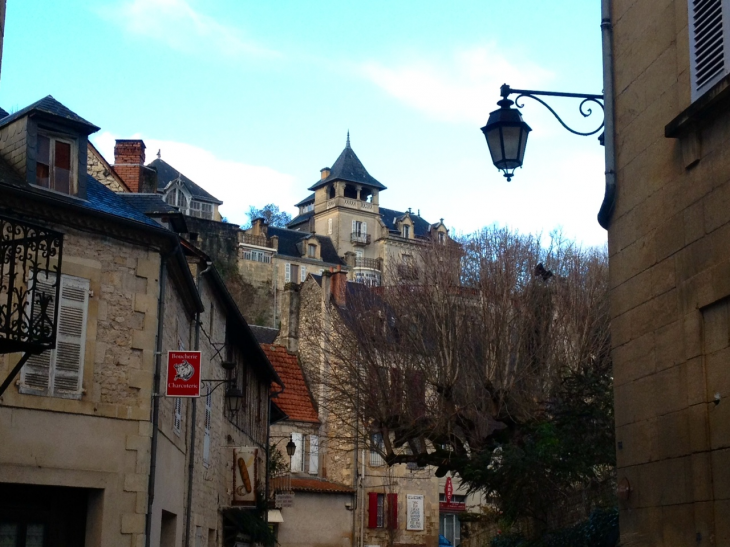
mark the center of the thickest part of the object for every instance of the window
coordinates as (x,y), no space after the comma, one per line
(297,460)
(257,256)
(313,454)
(406,231)
(294,273)
(312,251)
(59,372)
(201,210)
(54,164)
(442,238)
(303,277)
(329,226)
(206,437)
(450,527)
(176,197)
(287,272)
(359,228)
(382,510)
(707,44)
(377,446)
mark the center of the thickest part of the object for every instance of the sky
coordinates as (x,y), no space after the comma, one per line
(251,98)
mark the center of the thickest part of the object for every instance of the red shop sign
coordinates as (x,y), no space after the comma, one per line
(448,490)
(183,374)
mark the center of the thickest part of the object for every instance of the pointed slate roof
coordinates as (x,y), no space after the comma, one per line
(50,106)
(167,173)
(348,167)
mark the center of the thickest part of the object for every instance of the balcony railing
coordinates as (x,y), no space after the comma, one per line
(372,263)
(360,239)
(259,241)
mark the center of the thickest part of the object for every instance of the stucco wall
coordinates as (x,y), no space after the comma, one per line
(316,520)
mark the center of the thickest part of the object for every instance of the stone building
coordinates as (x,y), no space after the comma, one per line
(668,239)
(92,453)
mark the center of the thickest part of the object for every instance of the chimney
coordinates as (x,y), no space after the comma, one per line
(338,286)
(324,173)
(129,163)
(289,328)
(259,227)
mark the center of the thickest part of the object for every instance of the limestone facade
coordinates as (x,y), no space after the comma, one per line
(670,280)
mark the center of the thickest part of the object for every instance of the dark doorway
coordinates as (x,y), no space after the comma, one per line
(42,516)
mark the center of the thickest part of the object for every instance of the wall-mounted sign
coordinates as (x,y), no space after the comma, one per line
(245,475)
(183,374)
(414,506)
(448,490)
(284,499)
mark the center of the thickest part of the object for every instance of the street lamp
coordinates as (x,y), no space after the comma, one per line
(506,132)
(291,447)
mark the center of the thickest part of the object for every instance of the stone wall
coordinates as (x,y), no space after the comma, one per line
(97,167)
(669,282)
(13,145)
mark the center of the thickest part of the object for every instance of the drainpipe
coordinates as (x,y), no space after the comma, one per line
(609,198)
(156,397)
(193,421)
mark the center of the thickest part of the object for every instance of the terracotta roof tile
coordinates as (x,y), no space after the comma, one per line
(296,401)
(321,486)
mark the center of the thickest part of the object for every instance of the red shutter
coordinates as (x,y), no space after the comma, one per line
(372,509)
(393,511)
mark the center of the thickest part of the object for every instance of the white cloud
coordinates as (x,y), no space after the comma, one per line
(181,27)
(457,90)
(237,184)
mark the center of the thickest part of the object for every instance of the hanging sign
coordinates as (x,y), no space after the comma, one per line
(183,374)
(245,475)
(414,506)
(448,490)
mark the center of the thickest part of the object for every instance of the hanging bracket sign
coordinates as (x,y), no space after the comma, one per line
(183,374)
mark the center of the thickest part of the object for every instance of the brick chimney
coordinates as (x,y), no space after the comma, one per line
(129,163)
(338,286)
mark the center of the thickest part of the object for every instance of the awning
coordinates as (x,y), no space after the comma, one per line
(275,516)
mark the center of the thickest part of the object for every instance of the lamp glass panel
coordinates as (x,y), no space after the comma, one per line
(495,144)
(512,141)
(523,144)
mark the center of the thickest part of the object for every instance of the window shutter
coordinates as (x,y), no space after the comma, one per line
(708,31)
(313,454)
(36,373)
(287,272)
(297,460)
(354,226)
(206,438)
(372,510)
(303,275)
(393,511)
(364,228)
(329,227)
(71,340)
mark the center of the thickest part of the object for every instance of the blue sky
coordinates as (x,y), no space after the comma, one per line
(251,98)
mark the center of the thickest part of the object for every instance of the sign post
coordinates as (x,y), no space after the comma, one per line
(183,374)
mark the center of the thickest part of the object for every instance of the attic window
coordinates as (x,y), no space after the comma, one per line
(312,251)
(442,238)
(406,231)
(54,168)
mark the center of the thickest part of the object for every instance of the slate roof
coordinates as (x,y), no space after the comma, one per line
(264,335)
(348,167)
(301,219)
(167,173)
(319,486)
(49,105)
(100,198)
(288,240)
(149,203)
(420,225)
(308,199)
(296,399)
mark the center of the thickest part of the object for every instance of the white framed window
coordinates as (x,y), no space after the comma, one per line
(376,459)
(709,43)
(257,256)
(287,272)
(406,231)
(442,238)
(313,454)
(297,460)
(59,372)
(206,436)
(55,163)
(312,250)
(201,210)
(303,274)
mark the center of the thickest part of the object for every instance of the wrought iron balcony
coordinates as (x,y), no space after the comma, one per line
(360,239)
(372,263)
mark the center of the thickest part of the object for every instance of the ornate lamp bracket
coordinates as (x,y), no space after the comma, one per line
(584,108)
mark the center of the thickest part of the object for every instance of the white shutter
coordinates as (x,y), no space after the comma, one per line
(59,372)
(364,228)
(206,437)
(354,226)
(708,36)
(36,373)
(313,454)
(303,274)
(297,460)
(71,339)
(329,227)
(287,272)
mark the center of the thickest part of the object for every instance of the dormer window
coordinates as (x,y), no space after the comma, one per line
(406,231)
(54,167)
(312,250)
(442,238)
